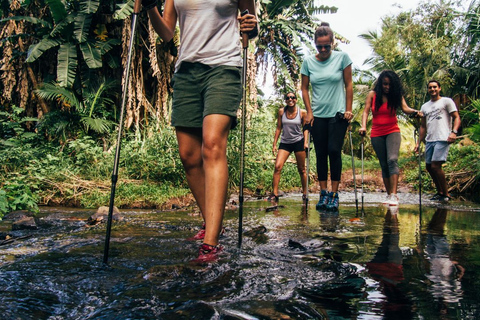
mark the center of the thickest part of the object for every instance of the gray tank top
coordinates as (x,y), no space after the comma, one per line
(292,128)
(209,32)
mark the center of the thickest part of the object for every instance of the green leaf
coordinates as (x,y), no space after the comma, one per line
(57,8)
(124,10)
(92,55)
(89,6)
(82,26)
(66,64)
(36,50)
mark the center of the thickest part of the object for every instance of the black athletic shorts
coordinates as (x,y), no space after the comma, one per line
(293,147)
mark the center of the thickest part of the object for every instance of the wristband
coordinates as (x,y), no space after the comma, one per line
(149,4)
(455,131)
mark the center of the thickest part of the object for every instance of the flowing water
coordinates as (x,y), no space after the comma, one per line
(294,263)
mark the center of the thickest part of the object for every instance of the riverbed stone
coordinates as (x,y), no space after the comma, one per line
(102,215)
(18,215)
(27,223)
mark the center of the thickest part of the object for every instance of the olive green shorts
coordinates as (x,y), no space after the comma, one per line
(200,90)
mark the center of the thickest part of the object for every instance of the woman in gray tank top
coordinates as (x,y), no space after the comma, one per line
(291,119)
(207,91)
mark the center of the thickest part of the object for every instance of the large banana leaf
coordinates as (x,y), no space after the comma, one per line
(124,10)
(36,50)
(89,6)
(82,26)
(66,64)
(53,92)
(63,27)
(57,8)
(91,54)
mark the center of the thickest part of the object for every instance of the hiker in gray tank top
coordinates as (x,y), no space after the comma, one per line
(290,122)
(207,90)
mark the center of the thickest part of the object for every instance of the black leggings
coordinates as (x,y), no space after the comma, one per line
(328,135)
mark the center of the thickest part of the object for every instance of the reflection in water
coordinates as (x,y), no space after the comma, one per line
(293,264)
(329,220)
(444,274)
(386,267)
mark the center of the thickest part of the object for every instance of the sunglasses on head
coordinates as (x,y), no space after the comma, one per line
(290,98)
(327,47)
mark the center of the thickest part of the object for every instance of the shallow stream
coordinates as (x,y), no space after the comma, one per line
(294,263)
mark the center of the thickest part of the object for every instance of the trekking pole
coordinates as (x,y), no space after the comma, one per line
(308,163)
(362,149)
(415,135)
(136,10)
(353,167)
(242,139)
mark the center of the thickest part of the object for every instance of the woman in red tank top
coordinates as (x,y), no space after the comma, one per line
(384,101)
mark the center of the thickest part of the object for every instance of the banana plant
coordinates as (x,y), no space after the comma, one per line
(286,28)
(70,33)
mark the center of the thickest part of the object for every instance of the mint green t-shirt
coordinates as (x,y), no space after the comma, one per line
(328,86)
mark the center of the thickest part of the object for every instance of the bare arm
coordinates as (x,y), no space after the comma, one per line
(407,110)
(306,99)
(456,125)
(278,130)
(366,112)
(347,79)
(306,132)
(422,133)
(164,26)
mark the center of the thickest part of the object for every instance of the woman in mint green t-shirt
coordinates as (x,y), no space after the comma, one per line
(329,110)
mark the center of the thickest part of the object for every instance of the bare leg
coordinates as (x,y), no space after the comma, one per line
(282,156)
(190,148)
(335,185)
(323,185)
(438,176)
(214,151)
(300,157)
(386,183)
(433,176)
(393,184)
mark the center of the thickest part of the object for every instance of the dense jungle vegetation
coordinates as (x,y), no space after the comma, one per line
(62,68)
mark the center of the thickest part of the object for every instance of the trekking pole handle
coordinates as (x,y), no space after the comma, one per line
(244,34)
(137,6)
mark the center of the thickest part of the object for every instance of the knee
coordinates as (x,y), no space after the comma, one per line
(213,150)
(392,166)
(191,159)
(436,166)
(278,167)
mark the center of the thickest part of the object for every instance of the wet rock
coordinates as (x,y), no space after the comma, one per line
(18,215)
(102,215)
(26,223)
(296,245)
(258,234)
(256,231)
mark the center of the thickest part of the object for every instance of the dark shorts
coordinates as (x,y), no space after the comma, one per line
(200,90)
(293,147)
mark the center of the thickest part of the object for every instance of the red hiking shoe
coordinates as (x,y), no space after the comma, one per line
(207,254)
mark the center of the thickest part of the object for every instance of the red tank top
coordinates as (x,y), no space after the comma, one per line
(384,120)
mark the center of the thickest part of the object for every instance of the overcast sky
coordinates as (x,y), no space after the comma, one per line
(355,17)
